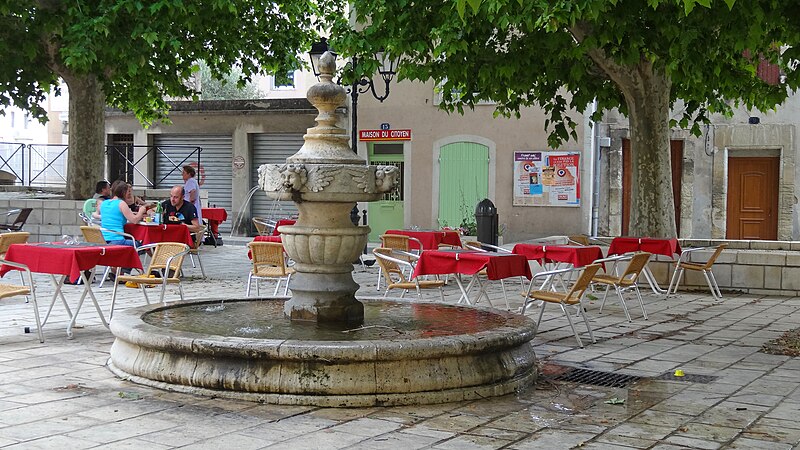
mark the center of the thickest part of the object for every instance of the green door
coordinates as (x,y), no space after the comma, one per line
(463,181)
(386,213)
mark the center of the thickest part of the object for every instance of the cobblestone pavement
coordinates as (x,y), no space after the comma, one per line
(60,394)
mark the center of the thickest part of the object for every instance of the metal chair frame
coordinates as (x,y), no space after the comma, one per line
(160,264)
(19,220)
(705,267)
(625,282)
(27,290)
(403,249)
(395,266)
(195,249)
(571,298)
(270,260)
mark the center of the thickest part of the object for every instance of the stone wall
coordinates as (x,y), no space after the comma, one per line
(755,267)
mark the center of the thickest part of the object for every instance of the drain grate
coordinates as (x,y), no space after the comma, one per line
(689,378)
(598,378)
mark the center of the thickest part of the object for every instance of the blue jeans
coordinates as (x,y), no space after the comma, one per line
(121,242)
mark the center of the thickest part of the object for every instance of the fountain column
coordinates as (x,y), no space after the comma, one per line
(325,179)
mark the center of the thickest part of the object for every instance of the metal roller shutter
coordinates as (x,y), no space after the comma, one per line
(215,161)
(272,148)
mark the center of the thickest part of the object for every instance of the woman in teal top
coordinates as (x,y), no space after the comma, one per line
(115,213)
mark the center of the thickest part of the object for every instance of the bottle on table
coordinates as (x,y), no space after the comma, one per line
(158,216)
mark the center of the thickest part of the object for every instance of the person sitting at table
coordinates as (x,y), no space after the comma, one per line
(91,207)
(176,210)
(115,213)
(133,201)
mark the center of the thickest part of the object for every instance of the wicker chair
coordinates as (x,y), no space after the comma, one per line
(13,237)
(166,261)
(263,226)
(624,282)
(94,235)
(392,269)
(698,267)
(269,262)
(195,249)
(571,298)
(13,290)
(401,245)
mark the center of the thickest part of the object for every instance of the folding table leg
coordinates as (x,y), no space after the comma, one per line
(58,284)
(464,292)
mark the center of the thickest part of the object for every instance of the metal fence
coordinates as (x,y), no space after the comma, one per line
(45,165)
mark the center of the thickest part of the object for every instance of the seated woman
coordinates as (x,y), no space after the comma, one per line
(115,213)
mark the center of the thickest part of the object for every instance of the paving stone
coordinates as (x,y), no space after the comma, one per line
(40,385)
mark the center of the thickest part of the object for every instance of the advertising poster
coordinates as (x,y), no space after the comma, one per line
(547,179)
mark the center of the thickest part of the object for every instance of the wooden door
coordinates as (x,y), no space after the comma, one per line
(752,207)
(676,159)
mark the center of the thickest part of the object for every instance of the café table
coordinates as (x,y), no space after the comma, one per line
(281,223)
(71,261)
(669,247)
(430,239)
(150,233)
(571,255)
(469,262)
(574,255)
(215,216)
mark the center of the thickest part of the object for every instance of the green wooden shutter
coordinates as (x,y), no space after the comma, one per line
(463,181)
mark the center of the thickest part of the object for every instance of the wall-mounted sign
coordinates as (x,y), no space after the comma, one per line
(384,135)
(385,126)
(547,179)
(238,162)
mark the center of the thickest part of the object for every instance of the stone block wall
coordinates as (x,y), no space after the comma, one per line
(755,267)
(50,219)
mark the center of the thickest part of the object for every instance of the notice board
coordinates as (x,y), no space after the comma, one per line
(547,178)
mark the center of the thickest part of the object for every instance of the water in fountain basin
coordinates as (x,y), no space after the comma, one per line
(265,320)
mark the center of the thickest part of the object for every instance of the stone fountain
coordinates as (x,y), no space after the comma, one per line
(325,179)
(323,346)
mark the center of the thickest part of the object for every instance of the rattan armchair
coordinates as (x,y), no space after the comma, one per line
(195,249)
(164,269)
(698,267)
(94,235)
(392,269)
(401,246)
(624,282)
(269,263)
(573,297)
(13,290)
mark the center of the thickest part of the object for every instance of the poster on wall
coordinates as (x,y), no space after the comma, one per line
(547,179)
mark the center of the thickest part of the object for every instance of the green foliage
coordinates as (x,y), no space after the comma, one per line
(225,86)
(560,55)
(143,52)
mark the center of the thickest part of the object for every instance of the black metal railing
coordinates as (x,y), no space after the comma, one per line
(41,165)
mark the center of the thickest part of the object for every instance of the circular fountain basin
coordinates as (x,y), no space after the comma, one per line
(403,353)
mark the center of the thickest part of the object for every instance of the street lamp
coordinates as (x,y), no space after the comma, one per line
(387,70)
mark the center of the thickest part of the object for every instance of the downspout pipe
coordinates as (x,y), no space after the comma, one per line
(595,172)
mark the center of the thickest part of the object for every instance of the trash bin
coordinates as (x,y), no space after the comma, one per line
(486,219)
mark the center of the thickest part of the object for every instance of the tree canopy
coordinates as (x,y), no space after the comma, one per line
(133,55)
(647,58)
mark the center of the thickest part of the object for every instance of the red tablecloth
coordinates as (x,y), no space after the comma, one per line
(576,255)
(281,223)
(430,238)
(70,260)
(657,246)
(498,265)
(152,234)
(215,216)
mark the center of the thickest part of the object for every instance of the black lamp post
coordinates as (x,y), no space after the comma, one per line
(387,70)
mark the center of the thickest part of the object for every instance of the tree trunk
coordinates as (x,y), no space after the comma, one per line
(652,205)
(86,155)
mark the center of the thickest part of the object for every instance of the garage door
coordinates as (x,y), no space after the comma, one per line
(215,172)
(272,148)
